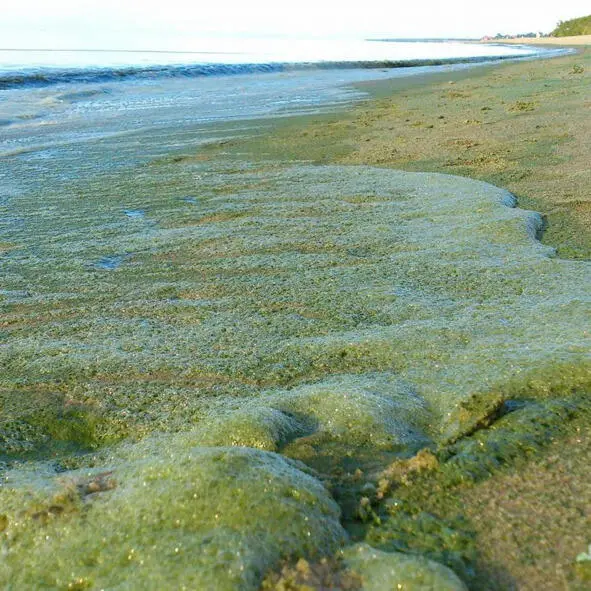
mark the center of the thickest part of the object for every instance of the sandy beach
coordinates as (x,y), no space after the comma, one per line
(564,41)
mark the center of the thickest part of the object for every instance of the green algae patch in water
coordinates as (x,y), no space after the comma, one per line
(202,518)
(342,316)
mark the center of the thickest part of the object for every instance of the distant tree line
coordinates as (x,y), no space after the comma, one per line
(572,27)
(575,26)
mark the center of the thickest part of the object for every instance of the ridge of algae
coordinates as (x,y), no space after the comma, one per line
(388,571)
(348,316)
(523,126)
(362,567)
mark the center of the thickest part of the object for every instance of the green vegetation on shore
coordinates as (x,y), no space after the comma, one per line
(572,27)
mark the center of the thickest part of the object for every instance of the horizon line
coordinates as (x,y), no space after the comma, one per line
(383,39)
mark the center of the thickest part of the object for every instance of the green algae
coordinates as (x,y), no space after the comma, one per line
(416,505)
(342,312)
(361,567)
(305,575)
(521,432)
(371,410)
(188,518)
(390,571)
(47,422)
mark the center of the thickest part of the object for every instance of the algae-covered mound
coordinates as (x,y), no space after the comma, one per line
(337,315)
(201,518)
(374,410)
(391,571)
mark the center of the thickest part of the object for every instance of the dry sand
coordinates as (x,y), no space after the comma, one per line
(575,40)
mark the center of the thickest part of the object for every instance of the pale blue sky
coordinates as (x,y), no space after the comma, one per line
(179,24)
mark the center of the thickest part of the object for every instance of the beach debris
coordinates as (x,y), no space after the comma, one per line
(327,573)
(401,471)
(523,106)
(101,482)
(68,499)
(45,515)
(366,512)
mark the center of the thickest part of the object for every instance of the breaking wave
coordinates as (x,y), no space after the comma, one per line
(40,77)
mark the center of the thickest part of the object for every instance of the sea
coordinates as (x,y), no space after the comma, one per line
(74,106)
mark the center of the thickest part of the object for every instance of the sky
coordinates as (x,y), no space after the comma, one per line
(180,24)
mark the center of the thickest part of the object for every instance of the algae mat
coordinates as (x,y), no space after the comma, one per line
(190,355)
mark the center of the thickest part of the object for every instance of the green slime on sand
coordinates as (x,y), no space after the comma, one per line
(329,314)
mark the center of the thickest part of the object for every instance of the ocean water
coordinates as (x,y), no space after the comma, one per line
(242,53)
(88,110)
(71,96)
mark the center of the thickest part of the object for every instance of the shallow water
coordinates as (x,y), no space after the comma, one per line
(64,106)
(110,262)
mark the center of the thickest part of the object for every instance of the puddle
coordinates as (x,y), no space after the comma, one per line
(134,213)
(189,199)
(17,294)
(110,262)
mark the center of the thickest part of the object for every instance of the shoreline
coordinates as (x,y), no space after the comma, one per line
(371,116)
(256,322)
(53,76)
